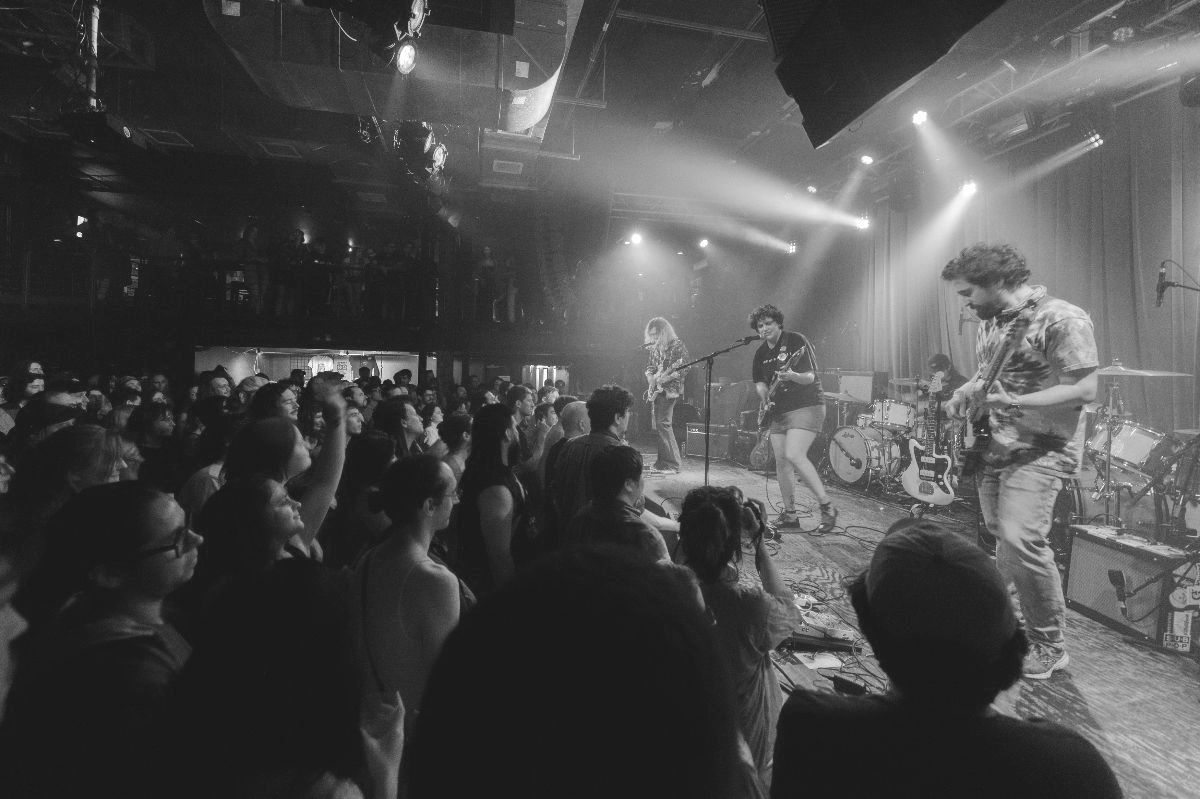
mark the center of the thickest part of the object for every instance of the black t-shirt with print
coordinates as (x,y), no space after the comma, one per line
(767,360)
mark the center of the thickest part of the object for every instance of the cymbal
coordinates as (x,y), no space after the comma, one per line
(838,396)
(905,381)
(1121,371)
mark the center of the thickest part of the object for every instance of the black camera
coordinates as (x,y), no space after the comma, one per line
(754,516)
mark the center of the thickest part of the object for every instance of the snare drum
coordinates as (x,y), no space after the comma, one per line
(857,455)
(893,415)
(1138,453)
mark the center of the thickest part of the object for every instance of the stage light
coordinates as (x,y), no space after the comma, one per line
(969,188)
(867,160)
(438,156)
(679,253)
(636,238)
(406,57)
(1094,139)
(812,189)
(791,248)
(920,118)
(703,243)
(863,223)
(80,220)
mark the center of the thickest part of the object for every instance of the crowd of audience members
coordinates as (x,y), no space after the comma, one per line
(336,588)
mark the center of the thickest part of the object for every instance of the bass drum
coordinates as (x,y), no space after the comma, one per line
(856,455)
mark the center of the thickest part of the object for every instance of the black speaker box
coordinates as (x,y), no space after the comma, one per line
(837,58)
(722,434)
(1155,612)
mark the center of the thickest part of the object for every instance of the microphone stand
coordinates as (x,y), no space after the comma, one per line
(1171,284)
(708,367)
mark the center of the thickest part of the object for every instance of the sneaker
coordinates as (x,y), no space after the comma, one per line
(1042,661)
(829,516)
(786,519)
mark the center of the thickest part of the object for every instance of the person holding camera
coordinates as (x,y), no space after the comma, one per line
(750,621)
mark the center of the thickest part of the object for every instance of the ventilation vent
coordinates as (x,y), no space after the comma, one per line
(508,167)
(280,149)
(167,138)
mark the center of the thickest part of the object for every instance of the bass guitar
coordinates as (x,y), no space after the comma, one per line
(929,476)
(979,430)
(767,410)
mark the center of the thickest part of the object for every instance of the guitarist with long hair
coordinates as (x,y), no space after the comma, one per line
(785,375)
(1038,359)
(665,386)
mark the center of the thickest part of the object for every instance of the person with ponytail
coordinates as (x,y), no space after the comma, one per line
(404,604)
(750,621)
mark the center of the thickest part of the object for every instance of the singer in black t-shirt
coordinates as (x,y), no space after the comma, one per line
(797,409)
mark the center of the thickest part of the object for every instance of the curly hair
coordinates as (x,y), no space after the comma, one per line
(765,312)
(606,404)
(985,264)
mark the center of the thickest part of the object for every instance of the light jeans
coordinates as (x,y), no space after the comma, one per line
(1018,503)
(668,447)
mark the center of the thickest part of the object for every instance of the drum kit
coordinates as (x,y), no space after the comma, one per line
(872,448)
(1133,456)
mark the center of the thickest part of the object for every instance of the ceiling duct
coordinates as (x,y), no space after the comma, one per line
(302,57)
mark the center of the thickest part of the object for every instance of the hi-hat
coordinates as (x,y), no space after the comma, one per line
(905,381)
(1120,371)
(837,396)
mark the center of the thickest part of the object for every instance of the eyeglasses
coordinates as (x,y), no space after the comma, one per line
(185,541)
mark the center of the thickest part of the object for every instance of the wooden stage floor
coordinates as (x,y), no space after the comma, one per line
(1140,707)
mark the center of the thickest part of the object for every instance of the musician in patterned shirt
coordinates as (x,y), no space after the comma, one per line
(665,387)
(1036,421)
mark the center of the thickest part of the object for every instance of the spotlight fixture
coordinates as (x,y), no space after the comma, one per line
(920,118)
(791,248)
(680,252)
(866,160)
(863,223)
(812,189)
(406,56)
(1094,139)
(636,238)
(969,188)
(438,156)
(703,243)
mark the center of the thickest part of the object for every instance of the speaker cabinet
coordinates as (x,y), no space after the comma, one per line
(1158,609)
(722,434)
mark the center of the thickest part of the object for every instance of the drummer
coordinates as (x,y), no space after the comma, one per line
(951,378)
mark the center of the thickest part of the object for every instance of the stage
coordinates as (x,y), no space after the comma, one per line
(1139,706)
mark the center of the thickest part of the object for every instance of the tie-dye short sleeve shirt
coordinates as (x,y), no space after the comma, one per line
(1059,340)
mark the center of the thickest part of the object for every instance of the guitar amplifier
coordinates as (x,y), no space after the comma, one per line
(722,434)
(1162,599)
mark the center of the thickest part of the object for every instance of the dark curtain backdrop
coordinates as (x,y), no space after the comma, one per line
(1093,231)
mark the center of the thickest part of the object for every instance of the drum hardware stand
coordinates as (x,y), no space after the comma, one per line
(708,368)
(1114,410)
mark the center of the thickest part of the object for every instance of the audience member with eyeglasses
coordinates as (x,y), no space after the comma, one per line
(84,714)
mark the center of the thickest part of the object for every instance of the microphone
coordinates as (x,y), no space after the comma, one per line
(1161,288)
(1117,578)
(747,339)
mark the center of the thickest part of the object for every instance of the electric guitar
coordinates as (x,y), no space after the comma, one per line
(767,410)
(979,430)
(928,476)
(655,385)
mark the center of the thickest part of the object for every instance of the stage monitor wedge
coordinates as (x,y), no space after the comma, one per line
(837,58)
